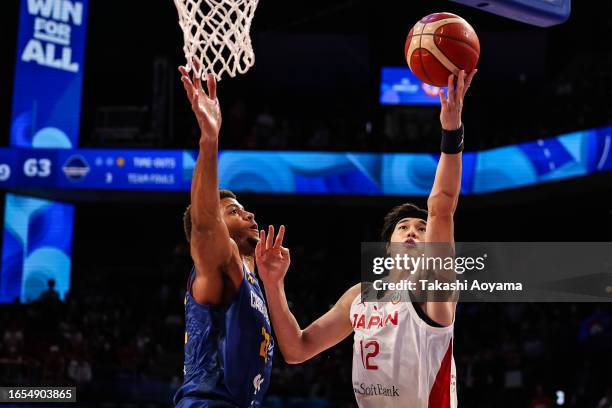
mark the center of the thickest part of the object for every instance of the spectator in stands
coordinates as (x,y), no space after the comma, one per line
(79,370)
(540,400)
(50,295)
(54,366)
(13,339)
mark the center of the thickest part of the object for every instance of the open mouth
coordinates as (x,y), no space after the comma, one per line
(254,227)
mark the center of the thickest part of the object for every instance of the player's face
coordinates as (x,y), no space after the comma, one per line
(409,231)
(240,223)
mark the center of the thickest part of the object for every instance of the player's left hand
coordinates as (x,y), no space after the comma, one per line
(452,103)
(271,257)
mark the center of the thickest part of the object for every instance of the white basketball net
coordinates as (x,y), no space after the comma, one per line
(216,32)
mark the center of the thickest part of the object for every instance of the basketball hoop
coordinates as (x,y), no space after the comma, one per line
(217,33)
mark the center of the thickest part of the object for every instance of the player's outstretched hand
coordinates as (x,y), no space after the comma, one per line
(205,106)
(452,103)
(271,257)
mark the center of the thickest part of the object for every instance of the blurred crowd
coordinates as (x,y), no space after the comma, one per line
(125,343)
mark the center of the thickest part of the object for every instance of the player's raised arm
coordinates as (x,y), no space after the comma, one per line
(444,195)
(297,345)
(210,242)
(442,201)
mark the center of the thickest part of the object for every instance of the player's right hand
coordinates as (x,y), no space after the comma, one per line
(271,257)
(205,106)
(452,104)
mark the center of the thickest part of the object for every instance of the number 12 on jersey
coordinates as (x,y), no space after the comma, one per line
(369,350)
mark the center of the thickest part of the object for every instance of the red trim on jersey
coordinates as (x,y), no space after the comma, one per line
(439,396)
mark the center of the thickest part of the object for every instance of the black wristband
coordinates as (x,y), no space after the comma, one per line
(452,141)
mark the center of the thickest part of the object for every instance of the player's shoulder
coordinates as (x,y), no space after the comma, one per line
(355,292)
(216,283)
(206,262)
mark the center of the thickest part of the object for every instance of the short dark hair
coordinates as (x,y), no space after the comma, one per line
(187,214)
(398,213)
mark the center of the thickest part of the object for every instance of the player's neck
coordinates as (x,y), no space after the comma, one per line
(249,261)
(395,275)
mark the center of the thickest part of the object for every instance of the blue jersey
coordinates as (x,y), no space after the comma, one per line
(228,350)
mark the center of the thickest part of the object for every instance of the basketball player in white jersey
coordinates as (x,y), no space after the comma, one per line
(403,351)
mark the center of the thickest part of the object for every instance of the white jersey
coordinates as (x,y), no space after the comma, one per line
(398,359)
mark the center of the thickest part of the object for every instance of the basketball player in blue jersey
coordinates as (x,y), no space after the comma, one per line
(228,347)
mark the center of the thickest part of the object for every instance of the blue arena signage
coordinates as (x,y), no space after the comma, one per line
(299,172)
(49,73)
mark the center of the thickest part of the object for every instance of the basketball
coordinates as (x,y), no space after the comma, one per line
(441,44)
